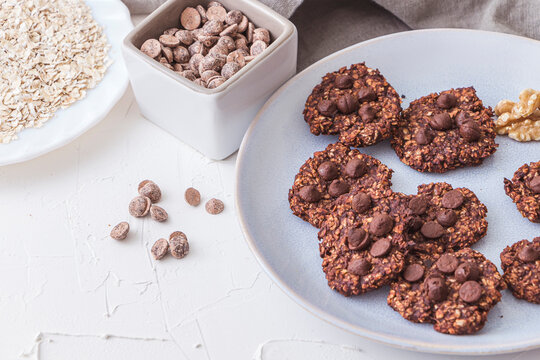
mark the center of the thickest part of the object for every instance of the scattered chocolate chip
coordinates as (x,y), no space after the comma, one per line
(418,205)
(152,48)
(234,17)
(357,239)
(159,249)
(139,206)
(328,170)
(344,81)
(178,244)
(380,248)
(462,118)
(361,202)
(432,230)
(366,94)
(452,199)
(436,288)
(470,291)
(149,189)
(446,101)
(441,121)
(310,193)
(120,231)
(190,18)
(158,213)
(169,41)
(355,168)
(467,271)
(327,107)
(413,272)
(528,254)
(359,267)
(214,206)
(470,131)
(447,217)
(423,136)
(217,13)
(414,224)
(534,184)
(447,263)
(338,187)
(367,112)
(347,103)
(381,224)
(192,196)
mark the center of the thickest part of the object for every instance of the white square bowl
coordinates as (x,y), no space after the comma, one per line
(212,121)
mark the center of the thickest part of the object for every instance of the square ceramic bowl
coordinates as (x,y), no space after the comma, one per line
(212,121)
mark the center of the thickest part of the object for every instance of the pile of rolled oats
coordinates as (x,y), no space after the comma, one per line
(51,52)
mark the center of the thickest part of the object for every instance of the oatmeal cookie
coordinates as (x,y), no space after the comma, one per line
(524,189)
(521,265)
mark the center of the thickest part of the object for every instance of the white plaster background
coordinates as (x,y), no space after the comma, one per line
(68,291)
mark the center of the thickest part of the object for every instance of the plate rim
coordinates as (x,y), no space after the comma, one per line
(391,340)
(105,110)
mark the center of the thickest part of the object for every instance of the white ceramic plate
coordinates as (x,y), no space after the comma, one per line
(415,63)
(70,123)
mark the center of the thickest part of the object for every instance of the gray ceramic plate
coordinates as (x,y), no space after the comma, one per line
(415,63)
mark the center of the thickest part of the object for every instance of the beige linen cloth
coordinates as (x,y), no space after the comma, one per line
(325,26)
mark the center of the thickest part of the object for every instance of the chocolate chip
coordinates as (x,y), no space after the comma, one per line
(381,224)
(338,187)
(452,199)
(214,206)
(217,13)
(158,213)
(234,17)
(344,81)
(380,248)
(436,288)
(139,206)
(414,224)
(152,48)
(432,230)
(150,189)
(366,94)
(367,112)
(446,101)
(470,291)
(159,249)
(359,267)
(441,121)
(309,193)
(423,136)
(357,239)
(470,131)
(413,272)
(361,202)
(178,244)
(355,168)
(190,18)
(328,170)
(462,118)
(528,254)
(467,271)
(120,231)
(192,196)
(447,217)
(347,103)
(534,184)
(447,263)
(327,107)
(418,205)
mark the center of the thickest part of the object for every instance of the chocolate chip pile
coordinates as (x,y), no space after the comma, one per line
(143,204)
(210,45)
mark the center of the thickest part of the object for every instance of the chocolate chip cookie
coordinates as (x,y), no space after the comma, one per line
(445,131)
(521,265)
(455,294)
(362,241)
(357,103)
(524,189)
(331,173)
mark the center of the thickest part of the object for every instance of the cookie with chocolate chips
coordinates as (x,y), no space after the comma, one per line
(521,265)
(455,293)
(357,103)
(445,131)
(524,189)
(330,174)
(363,241)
